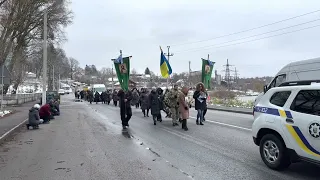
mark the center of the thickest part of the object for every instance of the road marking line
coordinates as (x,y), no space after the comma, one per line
(10,131)
(224,124)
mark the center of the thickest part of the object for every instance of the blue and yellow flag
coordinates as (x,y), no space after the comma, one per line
(165,67)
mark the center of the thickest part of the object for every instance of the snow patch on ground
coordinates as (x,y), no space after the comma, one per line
(5,112)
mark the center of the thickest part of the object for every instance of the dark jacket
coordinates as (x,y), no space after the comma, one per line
(103,96)
(90,95)
(161,96)
(115,96)
(125,95)
(45,111)
(155,103)
(34,117)
(108,96)
(199,105)
(144,101)
(135,97)
(96,97)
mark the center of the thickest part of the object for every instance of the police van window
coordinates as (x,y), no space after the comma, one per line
(280,79)
(280,98)
(308,102)
(277,81)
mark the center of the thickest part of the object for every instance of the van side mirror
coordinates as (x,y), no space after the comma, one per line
(265,88)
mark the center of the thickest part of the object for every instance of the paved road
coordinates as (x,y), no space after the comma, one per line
(86,142)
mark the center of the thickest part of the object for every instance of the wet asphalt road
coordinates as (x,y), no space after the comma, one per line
(86,142)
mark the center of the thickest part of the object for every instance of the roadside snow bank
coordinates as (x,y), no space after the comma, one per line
(5,112)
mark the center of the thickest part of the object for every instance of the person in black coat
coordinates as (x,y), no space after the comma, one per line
(125,107)
(82,94)
(108,96)
(96,97)
(103,97)
(161,99)
(200,99)
(155,105)
(90,96)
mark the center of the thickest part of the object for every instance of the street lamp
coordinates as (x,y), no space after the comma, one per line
(44,68)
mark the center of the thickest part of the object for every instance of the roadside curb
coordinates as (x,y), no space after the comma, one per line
(11,131)
(230,110)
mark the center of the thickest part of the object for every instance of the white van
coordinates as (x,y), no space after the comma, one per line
(296,71)
(98,88)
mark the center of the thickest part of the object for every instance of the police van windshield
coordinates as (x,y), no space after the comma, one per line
(99,89)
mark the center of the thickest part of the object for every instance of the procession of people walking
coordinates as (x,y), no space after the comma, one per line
(173,102)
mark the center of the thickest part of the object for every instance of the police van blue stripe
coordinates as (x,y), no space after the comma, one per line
(271,111)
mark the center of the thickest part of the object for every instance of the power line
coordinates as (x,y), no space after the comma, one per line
(214,46)
(259,27)
(252,35)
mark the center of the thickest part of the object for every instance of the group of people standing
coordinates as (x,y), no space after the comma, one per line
(105,97)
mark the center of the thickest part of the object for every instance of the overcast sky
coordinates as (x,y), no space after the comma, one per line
(102,27)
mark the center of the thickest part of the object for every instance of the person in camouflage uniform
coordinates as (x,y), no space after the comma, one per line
(166,108)
(172,101)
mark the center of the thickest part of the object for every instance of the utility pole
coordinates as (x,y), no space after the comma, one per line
(59,82)
(2,69)
(112,77)
(227,77)
(168,55)
(112,69)
(53,84)
(44,68)
(58,85)
(189,74)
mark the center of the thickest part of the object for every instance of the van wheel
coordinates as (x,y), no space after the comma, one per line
(273,152)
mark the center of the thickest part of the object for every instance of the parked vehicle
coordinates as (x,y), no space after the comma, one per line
(98,88)
(51,95)
(286,125)
(61,91)
(67,89)
(295,71)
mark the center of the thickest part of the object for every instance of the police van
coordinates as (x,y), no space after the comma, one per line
(305,70)
(287,124)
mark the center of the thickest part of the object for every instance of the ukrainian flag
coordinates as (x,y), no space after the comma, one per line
(165,67)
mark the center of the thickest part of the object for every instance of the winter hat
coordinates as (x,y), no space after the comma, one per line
(36,106)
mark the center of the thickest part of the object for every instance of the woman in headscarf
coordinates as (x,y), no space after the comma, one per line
(135,97)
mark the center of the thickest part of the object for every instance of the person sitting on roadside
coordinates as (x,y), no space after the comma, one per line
(45,113)
(53,109)
(34,118)
(56,106)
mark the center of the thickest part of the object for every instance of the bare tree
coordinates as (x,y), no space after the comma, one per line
(74,64)
(21,26)
(134,71)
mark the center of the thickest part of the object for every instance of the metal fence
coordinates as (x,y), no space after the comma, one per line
(15,99)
